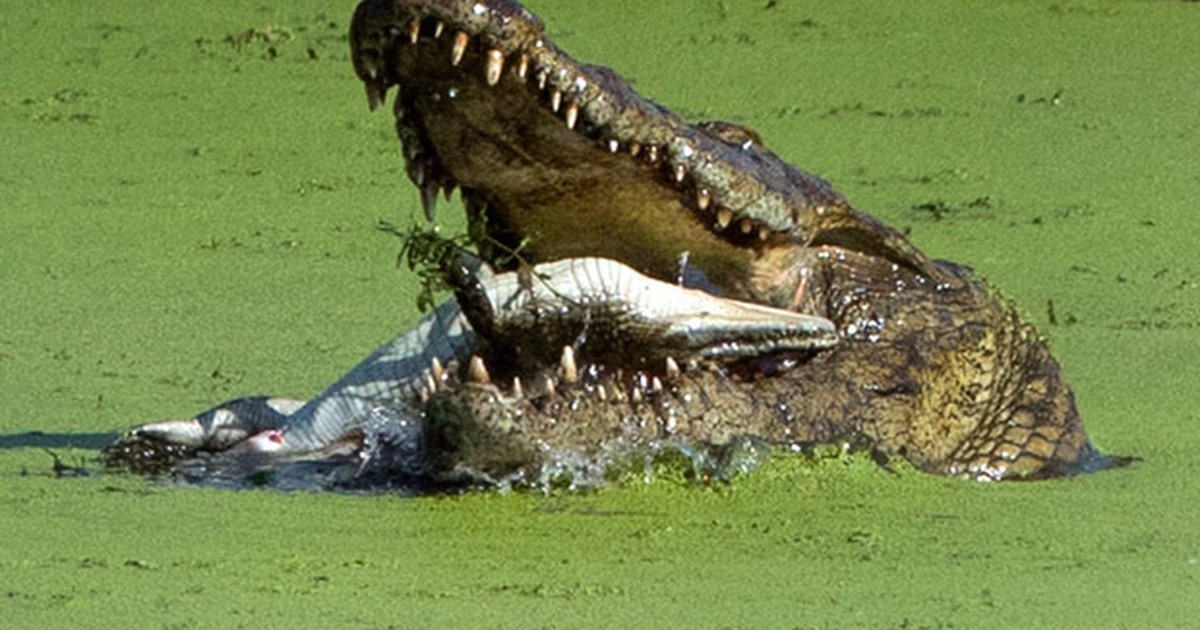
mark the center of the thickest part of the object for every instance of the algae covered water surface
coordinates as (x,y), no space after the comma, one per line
(190,194)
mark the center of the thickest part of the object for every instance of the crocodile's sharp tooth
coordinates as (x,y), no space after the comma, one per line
(652,154)
(517,390)
(572,114)
(416,171)
(555,99)
(398,110)
(746,225)
(614,146)
(423,394)
(656,385)
(763,232)
(438,28)
(634,149)
(495,65)
(430,383)
(637,395)
(703,198)
(724,216)
(438,372)
(375,96)
(680,173)
(673,370)
(429,193)
(549,386)
(461,39)
(569,369)
(411,150)
(542,76)
(476,207)
(601,393)
(522,66)
(414,30)
(477,371)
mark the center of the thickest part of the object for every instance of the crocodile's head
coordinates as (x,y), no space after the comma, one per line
(568,155)
(931,364)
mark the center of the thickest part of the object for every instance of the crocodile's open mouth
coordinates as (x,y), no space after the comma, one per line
(569,155)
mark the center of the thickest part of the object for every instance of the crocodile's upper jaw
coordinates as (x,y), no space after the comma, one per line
(570,156)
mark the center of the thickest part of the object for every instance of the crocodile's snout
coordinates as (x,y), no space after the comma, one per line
(568,155)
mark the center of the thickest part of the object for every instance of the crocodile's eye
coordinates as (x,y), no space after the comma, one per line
(732,134)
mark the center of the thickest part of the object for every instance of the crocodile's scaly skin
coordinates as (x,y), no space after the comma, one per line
(931,365)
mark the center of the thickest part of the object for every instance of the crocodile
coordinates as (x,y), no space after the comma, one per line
(563,161)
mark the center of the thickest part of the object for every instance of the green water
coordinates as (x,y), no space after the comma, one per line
(185,218)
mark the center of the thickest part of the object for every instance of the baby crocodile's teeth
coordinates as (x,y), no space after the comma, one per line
(477,371)
(461,39)
(495,65)
(680,173)
(614,146)
(637,395)
(437,30)
(703,198)
(724,216)
(572,115)
(673,370)
(517,391)
(555,99)
(414,30)
(569,369)
(656,385)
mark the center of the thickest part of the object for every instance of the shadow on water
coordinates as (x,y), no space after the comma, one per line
(41,439)
(50,443)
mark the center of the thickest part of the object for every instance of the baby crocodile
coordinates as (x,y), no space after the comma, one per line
(567,160)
